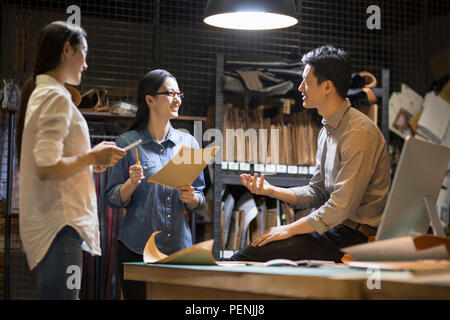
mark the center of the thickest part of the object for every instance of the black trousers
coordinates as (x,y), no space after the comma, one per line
(311,246)
(132,290)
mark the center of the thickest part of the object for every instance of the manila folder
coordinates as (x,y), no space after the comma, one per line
(184,167)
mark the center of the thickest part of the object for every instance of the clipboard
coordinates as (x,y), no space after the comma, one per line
(184,167)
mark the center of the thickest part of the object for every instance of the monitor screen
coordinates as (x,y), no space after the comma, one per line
(416,184)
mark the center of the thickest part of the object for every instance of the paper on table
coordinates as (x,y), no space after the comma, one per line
(402,249)
(184,167)
(421,265)
(198,254)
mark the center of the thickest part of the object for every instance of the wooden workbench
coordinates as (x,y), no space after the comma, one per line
(253,282)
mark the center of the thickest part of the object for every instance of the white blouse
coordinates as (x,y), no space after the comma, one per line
(54,128)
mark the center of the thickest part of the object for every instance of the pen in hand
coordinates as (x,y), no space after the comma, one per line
(137,156)
(137,159)
(135,171)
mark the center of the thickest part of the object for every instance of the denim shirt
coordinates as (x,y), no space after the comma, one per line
(153,207)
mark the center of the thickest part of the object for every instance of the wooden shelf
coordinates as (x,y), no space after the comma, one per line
(278,180)
(127,116)
(191,118)
(130,116)
(106,115)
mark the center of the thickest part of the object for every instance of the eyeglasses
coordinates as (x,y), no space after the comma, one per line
(172,94)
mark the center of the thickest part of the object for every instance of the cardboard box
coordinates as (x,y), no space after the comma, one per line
(445,92)
(440,64)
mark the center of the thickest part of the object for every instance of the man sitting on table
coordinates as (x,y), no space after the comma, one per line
(351,178)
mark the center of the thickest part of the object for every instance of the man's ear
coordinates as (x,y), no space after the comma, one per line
(328,86)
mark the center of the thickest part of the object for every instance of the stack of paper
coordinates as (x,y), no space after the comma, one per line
(403,106)
(402,249)
(282,139)
(247,205)
(434,120)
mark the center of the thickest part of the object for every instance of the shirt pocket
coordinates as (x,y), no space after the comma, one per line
(150,168)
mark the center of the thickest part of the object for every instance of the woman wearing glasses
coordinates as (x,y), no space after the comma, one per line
(152,207)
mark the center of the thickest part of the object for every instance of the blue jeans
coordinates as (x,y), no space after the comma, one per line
(59,272)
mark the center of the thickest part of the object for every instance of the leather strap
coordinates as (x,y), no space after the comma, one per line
(363,228)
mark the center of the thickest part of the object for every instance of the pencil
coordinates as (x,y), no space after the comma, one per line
(137,157)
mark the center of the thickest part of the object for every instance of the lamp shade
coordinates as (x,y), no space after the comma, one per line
(251,14)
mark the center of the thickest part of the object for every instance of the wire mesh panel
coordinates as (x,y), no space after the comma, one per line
(128,38)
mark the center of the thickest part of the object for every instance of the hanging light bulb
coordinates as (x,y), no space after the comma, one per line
(251,14)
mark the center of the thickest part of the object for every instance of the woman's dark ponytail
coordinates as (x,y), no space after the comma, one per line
(25,94)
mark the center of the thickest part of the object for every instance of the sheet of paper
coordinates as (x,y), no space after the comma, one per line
(198,254)
(247,204)
(421,265)
(434,120)
(401,249)
(413,100)
(403,106)
(227,210)
(184,167)
(398,115)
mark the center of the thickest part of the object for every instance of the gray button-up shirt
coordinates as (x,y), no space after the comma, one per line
(352,175)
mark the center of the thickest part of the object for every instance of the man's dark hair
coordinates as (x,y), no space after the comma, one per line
(332,64)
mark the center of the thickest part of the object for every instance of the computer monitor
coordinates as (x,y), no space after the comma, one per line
(411,203)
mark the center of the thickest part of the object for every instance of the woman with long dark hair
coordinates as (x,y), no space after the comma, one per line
(58,206)
(151,207)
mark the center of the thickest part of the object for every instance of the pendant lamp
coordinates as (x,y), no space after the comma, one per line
(251,14)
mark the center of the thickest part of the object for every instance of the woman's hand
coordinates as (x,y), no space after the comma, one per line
(187,194)
(136,174)
(189,197)
(106,154)
(98,169)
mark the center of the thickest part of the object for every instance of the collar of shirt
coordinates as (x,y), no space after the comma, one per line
(173,136)
(335,119)
(44,79)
